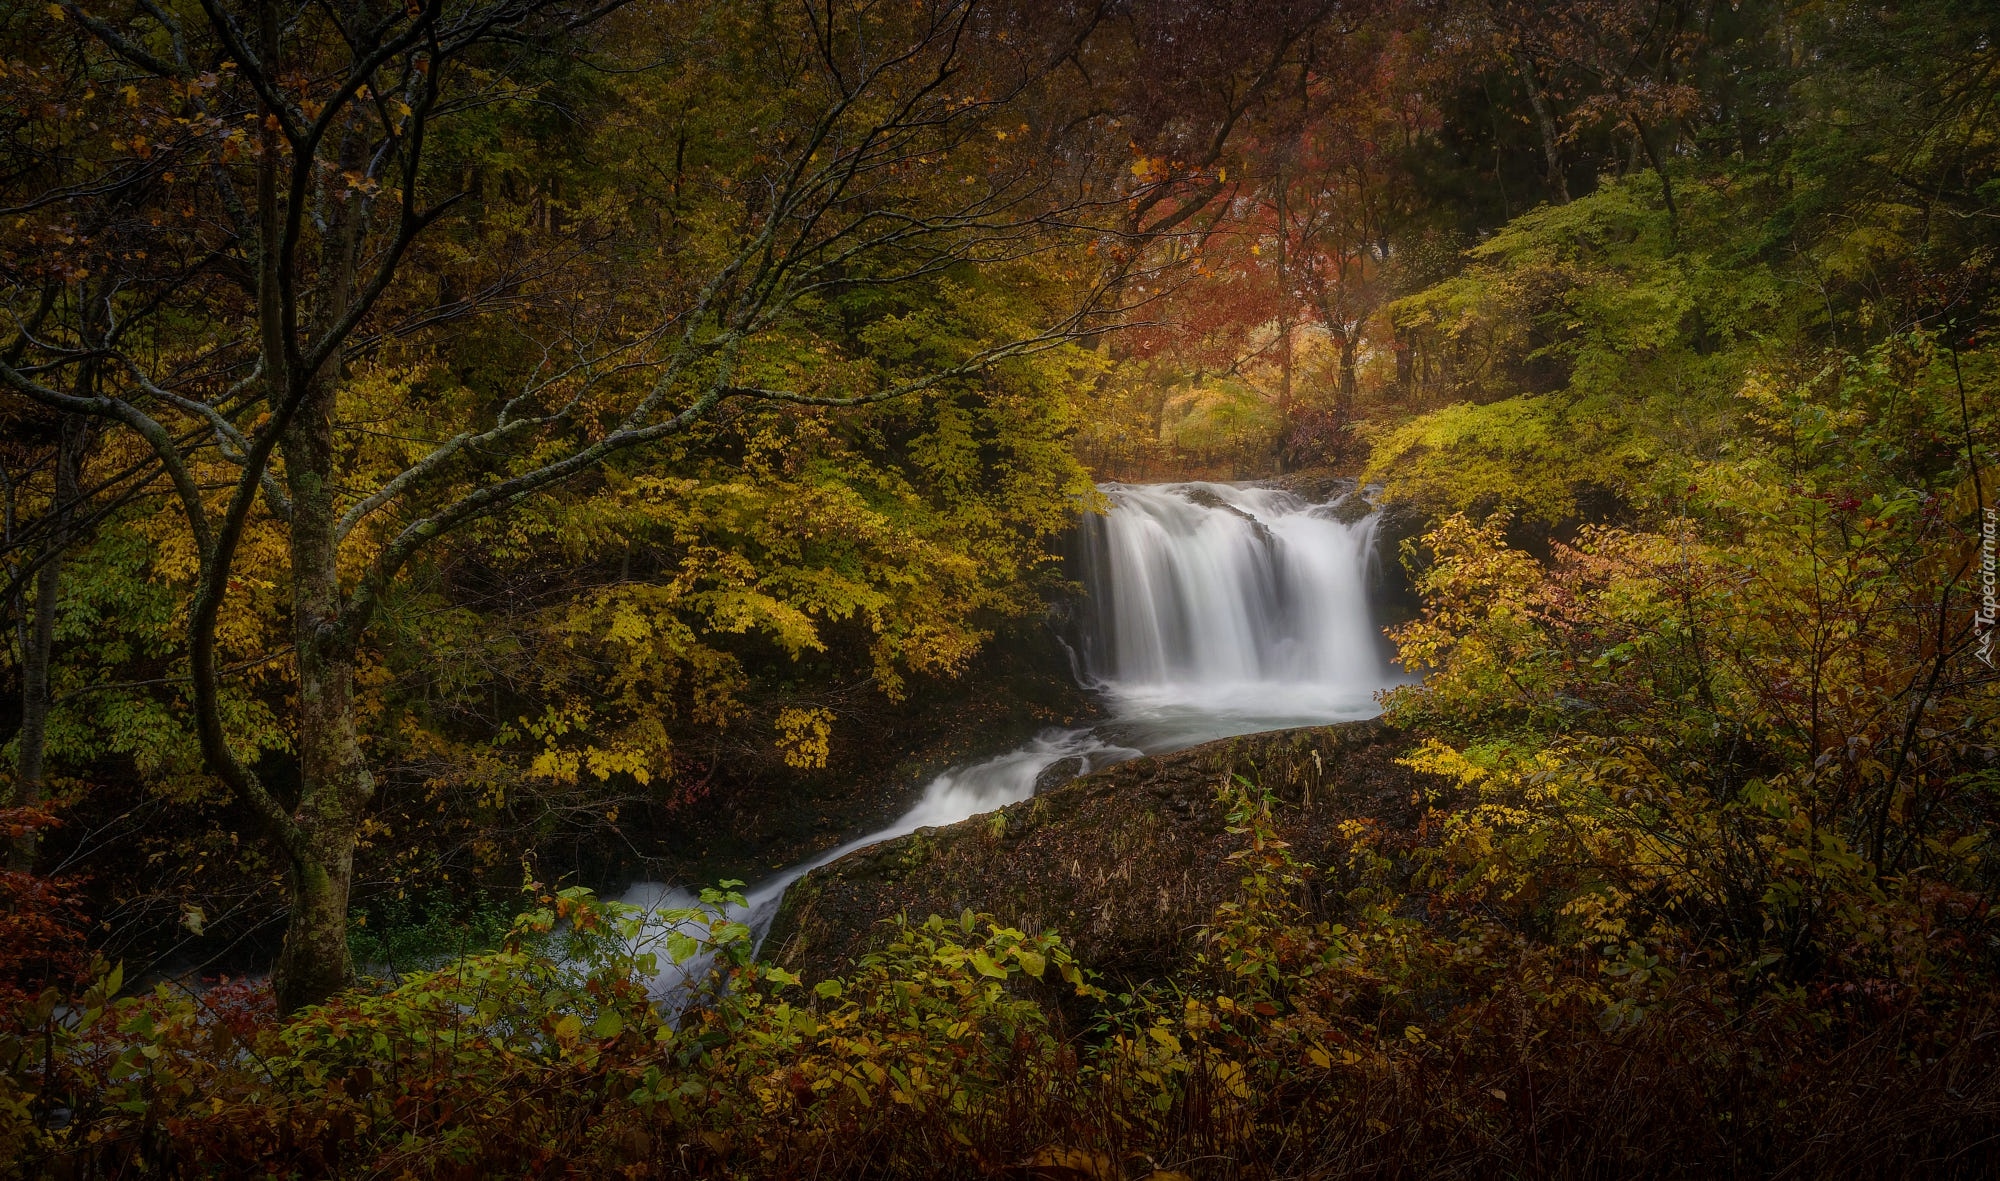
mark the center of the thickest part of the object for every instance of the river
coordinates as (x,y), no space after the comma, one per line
(1210,610)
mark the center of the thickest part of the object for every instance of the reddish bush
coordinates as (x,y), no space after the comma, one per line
(42,933)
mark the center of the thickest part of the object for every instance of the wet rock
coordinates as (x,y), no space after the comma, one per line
(1207,499)
(1394,593)
(1317,487)
(1196,494)
(1059,772)
(1347,508)
(1127,864)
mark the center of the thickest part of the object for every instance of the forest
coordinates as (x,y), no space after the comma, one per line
(1065,589)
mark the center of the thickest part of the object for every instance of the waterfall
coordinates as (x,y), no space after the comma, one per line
(1210,610)
(1210,605)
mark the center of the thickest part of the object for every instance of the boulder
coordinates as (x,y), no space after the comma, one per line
(1208,499)
(1126,864)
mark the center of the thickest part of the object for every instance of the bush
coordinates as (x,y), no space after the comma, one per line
(1431,1030)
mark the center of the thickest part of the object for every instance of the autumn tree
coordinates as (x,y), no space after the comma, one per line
(256,213)
(40,501)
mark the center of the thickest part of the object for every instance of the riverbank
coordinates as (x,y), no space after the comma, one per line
(882,757)
(1126,863)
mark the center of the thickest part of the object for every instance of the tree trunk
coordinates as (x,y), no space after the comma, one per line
(1350,381)
(334,783)
(1645,139)
(1284,318)
(31,744)
(1545,121)
(314,963)
(1406,366)
(31,741)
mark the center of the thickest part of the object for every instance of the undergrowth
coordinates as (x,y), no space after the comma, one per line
(398,935)
(1382,1046)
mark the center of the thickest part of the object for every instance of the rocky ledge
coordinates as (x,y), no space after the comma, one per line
(1126,864)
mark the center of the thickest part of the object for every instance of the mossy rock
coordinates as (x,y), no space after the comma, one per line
(1127,864)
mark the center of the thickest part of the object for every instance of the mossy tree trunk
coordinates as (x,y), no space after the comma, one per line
(38,642)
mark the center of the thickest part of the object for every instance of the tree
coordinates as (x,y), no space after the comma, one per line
(263,209)
(35,549)
(1352,197)
(1632,62)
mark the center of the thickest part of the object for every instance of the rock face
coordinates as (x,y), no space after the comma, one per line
(1126,864)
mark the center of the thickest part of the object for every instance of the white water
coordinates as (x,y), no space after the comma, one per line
(1218,610)
(1212,610)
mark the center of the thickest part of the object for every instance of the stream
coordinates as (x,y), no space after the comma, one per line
(1211,610)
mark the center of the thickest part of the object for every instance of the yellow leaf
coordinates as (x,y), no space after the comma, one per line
(1073,1164)
(805,736)
(1234,1078)
(628,626)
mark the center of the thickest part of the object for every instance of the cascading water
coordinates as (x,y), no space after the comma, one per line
(1211,610)
(956,795)
(1216,610)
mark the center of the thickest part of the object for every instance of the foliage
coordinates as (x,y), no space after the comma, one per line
(1594,351)
(43,941)
(498,1062)
(1219,417)
(407,935)
(1673,323)
(1464,1041)
(610,459)
(1598,353)
(666,589)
